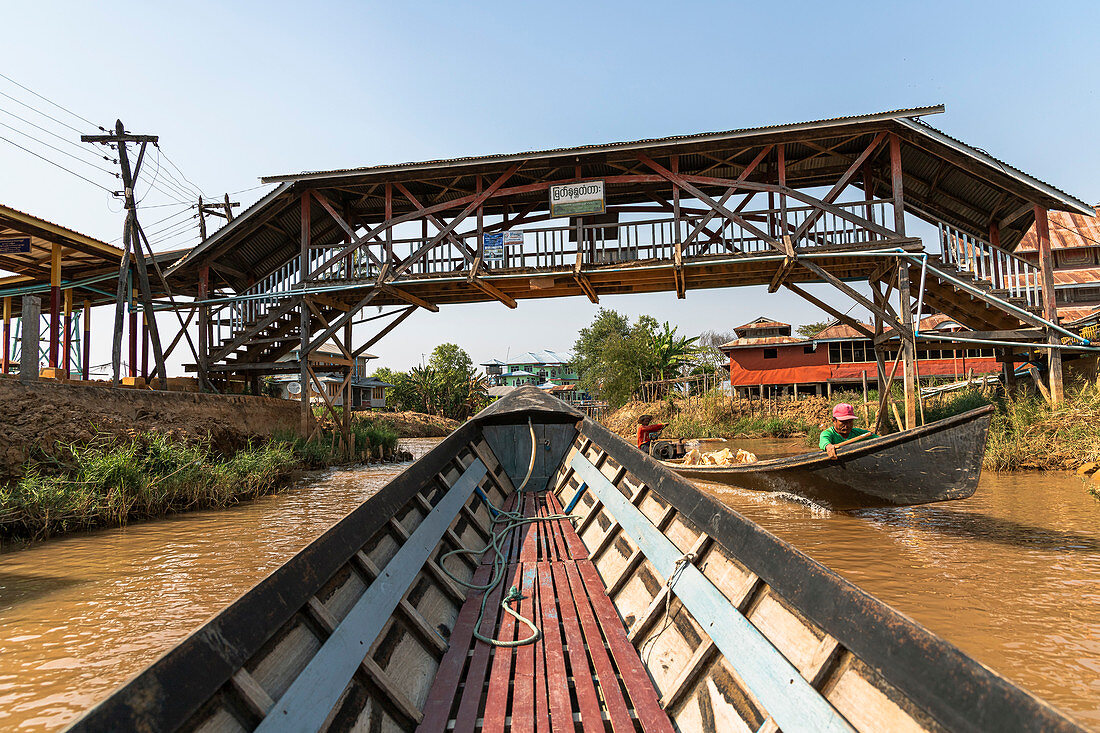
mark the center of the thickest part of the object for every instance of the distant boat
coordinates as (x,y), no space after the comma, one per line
(657,608)
(935,462)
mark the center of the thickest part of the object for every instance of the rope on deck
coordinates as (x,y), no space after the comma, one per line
(497,538)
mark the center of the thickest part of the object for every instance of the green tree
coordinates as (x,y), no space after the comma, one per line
(672,353)
(809,329)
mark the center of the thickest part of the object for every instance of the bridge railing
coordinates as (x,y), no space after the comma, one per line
(1000,268)
(627,241)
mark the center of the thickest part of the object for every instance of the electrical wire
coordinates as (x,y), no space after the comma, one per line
(58,165)
(170,180)
(182,174)
(78,146)
(55,104)
(35,109)
(59,150)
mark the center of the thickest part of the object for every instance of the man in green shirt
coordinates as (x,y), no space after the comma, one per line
(843,430)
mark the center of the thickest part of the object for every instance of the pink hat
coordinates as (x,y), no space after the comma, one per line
(844,411)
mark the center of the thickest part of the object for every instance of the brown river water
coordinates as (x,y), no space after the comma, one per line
(1011,575)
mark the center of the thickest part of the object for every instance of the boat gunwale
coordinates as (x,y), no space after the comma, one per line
(924,667)
(814,459)
(205,660)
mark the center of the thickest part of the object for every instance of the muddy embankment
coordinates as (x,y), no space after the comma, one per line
(37,420)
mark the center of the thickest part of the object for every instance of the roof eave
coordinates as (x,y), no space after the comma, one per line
(664,142)
(1064,201)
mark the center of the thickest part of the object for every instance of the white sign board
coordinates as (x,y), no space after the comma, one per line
(577,199)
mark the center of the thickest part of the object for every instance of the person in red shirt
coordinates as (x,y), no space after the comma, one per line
(647,430)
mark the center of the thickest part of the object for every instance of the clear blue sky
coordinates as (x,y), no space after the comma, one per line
(240,90)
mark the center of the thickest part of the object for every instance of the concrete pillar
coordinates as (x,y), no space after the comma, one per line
(28,361)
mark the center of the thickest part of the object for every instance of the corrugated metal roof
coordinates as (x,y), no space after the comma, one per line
(763,341)
(1067,231)
(1077,276)
(762,322)
(600,147)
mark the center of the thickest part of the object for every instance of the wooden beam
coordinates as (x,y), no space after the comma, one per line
(392,325)
(694,191)
(493,291)
(410,298)
(853,294)
(835,313)
(839,186)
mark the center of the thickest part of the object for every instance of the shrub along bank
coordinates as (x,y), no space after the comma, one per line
(112,480)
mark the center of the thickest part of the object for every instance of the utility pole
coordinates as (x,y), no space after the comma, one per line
(221,209)
(132,238)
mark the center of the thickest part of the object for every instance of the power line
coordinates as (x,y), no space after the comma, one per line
(35,109)
(58,165)
(173,228)
(63,152)
(246,190)
(75,144)
(183,175)
(164,185)
(55,104)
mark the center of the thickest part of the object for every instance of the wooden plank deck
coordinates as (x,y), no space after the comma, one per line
(583,674)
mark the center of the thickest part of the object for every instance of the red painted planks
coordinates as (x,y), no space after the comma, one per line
(587,700)
(638,684)
(557,678)
(523,683)
(542,714)
(529,532)
(577,548)
(605,671)
(466,718)
(500,675)
(447,677)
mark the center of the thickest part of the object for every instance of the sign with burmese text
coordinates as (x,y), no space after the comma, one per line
(21,245)
(577,199)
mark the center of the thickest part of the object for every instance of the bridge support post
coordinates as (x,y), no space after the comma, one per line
(204,326)
(1050,304)
(1008,357)
(908,345)
(303,349)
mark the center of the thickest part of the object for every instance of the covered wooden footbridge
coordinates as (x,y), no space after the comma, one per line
(782,206)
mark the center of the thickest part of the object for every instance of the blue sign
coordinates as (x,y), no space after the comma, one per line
(21,245)
(493,246)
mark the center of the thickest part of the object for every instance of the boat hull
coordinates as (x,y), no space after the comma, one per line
(657,609)
(937,462)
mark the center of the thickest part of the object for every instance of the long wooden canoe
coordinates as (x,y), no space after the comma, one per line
(658,609)
(935,462)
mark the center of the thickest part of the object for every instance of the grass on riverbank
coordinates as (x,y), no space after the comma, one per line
(373,440)
(110,482)
(1029,433)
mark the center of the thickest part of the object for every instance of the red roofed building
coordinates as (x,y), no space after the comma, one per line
(836,356)
(1075,246)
